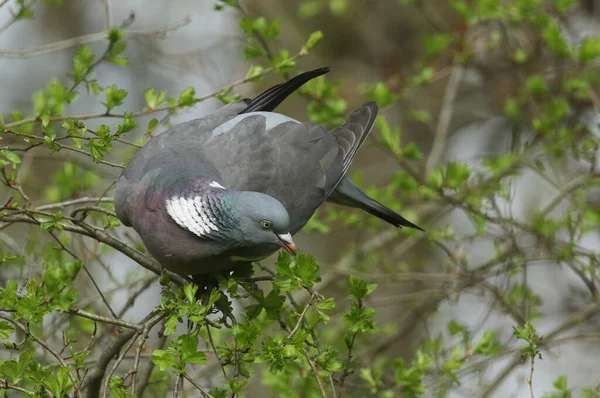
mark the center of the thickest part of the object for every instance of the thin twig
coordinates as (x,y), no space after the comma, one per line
(45,346)
(530,380)
(72,202)
(5,386)
(145,375)
(87,271)
(301,318)
(443,126)
(214,348)
(136,361)
(93,208)
(90,38)
(117,363)
(178,385)
(204,393)
(315,371)
(100,235)
(103,319)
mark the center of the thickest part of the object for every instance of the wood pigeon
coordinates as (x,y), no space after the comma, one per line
(234,186)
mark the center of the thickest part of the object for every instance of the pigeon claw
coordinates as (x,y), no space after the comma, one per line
(287,243)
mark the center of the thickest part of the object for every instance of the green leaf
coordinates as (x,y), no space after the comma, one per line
(381,93)
(326,305)
(114,97)
(536,85)
(553,38)
(118,388)
(512,109)
(114,54)
(152,125)
(309,8)
(273,304)
(527,333)
(128,125)
(164,359)
(389,136)
(60,383)
(312,41)
(54,223)
(411,378)
(306,269)
(6,329)
(190,292)
(82,64)
(360,288)
(10,156)
(254,73)
(93,87)
(153,100)
(437,43)
(412,152)
(252,51)
(488,344)
(283,61)
(187,97)
(456,174)
(339,7)
(590,49)
(562,390)
(14,370)
(115,35)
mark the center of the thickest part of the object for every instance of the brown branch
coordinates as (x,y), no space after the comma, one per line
(93,208)
(85,199)
(93,381)
(120,358)
(103,319)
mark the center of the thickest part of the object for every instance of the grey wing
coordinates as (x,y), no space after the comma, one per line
(299,164)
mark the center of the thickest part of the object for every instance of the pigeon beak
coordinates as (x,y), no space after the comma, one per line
(287,243)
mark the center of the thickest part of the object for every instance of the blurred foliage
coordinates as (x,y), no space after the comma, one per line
(290,338)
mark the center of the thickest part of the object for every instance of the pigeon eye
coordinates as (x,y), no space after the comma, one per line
(265,224)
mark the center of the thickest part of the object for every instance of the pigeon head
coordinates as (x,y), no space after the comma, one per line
(262,221)
(251,225)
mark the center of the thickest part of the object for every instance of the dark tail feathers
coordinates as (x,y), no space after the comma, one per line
(348,194)
(269,99)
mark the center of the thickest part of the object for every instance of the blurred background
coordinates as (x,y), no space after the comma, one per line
(446,80)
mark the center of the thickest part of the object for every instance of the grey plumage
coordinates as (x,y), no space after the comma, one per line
(201,193)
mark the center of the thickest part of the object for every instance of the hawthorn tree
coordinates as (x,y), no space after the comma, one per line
(298,328)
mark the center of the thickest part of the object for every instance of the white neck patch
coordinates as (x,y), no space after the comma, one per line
(192,214)
(215,184)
